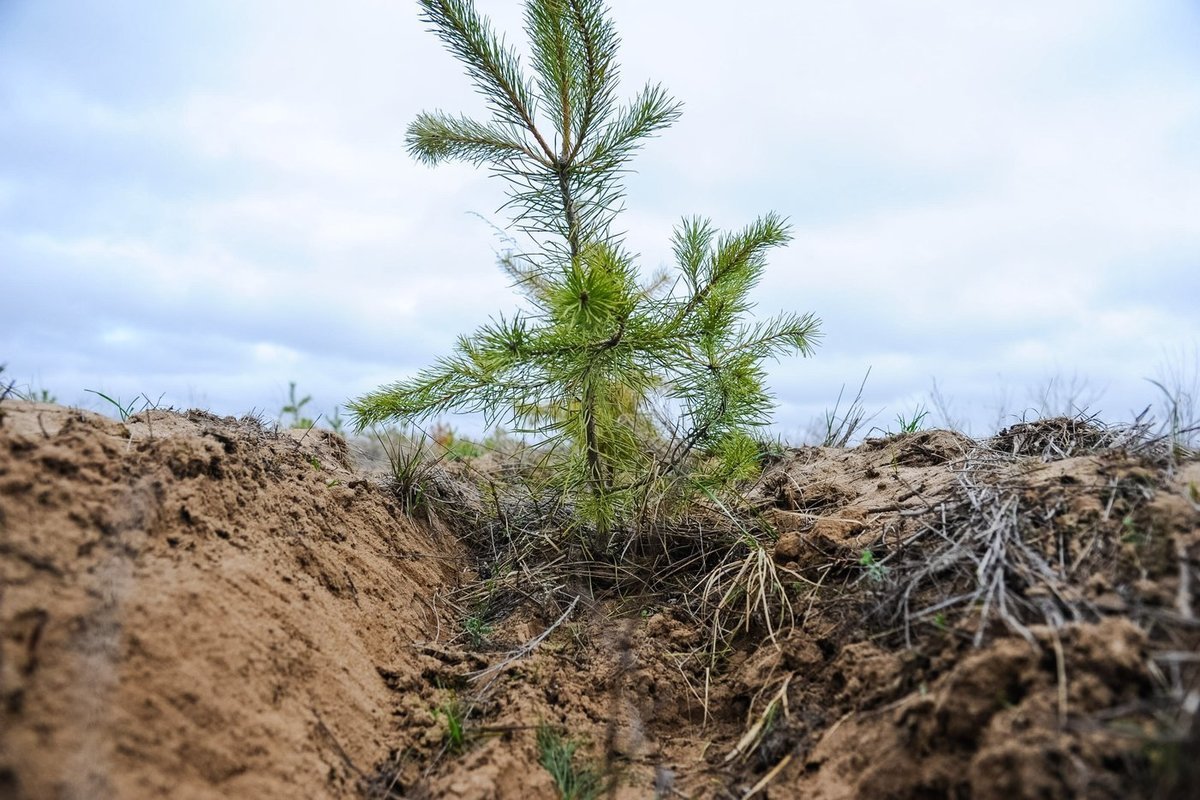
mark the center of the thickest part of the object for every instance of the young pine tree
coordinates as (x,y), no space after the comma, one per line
(596,348)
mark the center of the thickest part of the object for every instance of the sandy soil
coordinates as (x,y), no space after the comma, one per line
(199,608)
(195,607)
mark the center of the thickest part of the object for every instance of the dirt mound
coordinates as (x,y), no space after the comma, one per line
(199,607)
(203,607)
(1068,674)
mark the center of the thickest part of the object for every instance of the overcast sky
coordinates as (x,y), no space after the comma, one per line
(203,200)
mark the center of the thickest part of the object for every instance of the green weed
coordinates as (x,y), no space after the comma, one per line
(6,388)
(411,463)
(876,572)
(29,395)
(456,447)
(453,714)
(557,754)
(913,423)
(337,422)
(295,407)
(839,428)
(1132,533)
(477,630)
(124,412)
(39,396)
(770,449)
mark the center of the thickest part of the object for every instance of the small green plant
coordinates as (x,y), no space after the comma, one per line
(1132,534)
(599,349)
(453,714)
(771,449)
(1166,759)
(876,572)
(6,387)
(837,429)
(29,395)
(477,630)
(124,412)
(337,422)
(913,423)
(36,396)
(456,447)
(411,464)
(295,407)
(557,754)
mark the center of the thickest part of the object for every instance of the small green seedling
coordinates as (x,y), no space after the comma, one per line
(411,464)
(913,423)
(6,388)
(454,715)
(337,423)
(574,781)
(456,447)
(477,630)
(123,411)
(294,408)
(876,571)
(1132,535)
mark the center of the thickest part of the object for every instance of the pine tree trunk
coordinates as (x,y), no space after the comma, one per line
(595,465)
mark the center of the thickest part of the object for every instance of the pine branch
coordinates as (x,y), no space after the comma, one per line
(650,112)
(692,243)
(435,137)
(550,40)
(735,265)
(494,68)
(740,257)
(595,44)
(779,336)
(527,276)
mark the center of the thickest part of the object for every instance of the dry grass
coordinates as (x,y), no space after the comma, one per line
(992,549)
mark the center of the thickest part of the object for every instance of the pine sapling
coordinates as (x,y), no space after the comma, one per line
(596,349)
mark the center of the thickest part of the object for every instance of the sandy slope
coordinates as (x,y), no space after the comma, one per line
(194,607)
(198,607)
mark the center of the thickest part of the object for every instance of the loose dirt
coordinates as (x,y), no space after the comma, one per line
(203,607)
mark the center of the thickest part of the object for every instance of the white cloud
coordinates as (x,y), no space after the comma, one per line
(982,195)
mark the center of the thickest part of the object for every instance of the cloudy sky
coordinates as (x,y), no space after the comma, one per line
(203,201)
